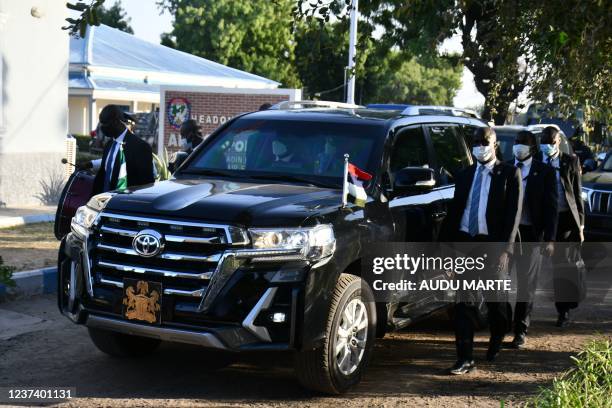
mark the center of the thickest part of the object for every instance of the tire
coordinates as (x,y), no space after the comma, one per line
(122,345)
(320,369)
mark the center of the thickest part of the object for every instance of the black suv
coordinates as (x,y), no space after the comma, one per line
(249,246)
(597,194)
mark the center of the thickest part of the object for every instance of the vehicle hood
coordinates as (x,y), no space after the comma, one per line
(601,180)
(233,202)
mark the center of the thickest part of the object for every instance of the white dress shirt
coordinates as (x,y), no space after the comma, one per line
(525,169)
(561,200)
(482,203)
(98,162)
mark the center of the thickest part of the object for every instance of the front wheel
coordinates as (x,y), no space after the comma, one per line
(351,330)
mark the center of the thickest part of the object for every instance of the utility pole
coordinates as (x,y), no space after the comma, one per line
(350,89)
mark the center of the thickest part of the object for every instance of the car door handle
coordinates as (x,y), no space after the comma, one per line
(438,214)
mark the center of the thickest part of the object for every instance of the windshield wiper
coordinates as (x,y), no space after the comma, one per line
(208,172)
(291,177)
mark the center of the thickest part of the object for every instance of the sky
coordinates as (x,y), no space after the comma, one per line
(148,24)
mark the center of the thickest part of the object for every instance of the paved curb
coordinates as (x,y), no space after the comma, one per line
(8,222)
(29,283)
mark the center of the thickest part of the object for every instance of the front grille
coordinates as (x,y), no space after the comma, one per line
(185,266)
(601,202)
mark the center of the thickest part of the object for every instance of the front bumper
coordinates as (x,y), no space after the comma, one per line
(240,317)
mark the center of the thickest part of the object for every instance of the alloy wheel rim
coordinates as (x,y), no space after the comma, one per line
(351,337)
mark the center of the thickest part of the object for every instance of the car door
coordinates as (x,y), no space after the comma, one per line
(414,215)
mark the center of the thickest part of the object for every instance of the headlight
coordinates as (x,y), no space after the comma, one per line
(86,215)
(586,192)
(310,244)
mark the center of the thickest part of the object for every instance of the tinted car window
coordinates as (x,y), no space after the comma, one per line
(252,147)
(409,150)
(450,152)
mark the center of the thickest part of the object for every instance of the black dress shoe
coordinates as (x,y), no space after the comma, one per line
(462,367)
(519,341)
(495,343)
(563,319)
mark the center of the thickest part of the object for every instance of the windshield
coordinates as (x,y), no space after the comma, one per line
(607,166)
(290,149)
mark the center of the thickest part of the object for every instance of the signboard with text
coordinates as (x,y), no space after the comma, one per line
(210,107)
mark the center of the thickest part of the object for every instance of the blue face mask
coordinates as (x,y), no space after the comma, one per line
(549,149)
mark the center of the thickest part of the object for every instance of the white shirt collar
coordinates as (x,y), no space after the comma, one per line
(121,136)
(526,163)
(547,159)
(487,166)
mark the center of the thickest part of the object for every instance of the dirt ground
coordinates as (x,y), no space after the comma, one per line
(407,368)
(29,246)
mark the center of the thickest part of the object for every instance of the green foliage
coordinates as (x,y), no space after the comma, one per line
(254,36)
(82,142)
(161,164)
(573,52)
(115,17)
(588,384)
(88,10)
(383,75)
(6,273)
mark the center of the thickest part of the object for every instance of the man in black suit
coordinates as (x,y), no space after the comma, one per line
(570,225)
(486,207)
(138,154)
(537,228)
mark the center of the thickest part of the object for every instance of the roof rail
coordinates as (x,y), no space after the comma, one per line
(286,105)
(439,110)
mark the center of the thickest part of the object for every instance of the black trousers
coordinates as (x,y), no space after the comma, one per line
(566,232)
(499,313)
(528,265)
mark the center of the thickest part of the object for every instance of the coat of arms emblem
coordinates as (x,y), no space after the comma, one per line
(141,302)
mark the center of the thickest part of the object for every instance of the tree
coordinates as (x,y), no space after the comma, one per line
(573,52)
(382,75)
(253,36)
(507,45)
(115,17)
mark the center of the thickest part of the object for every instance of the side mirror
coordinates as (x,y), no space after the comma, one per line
(589,165)
(413,179)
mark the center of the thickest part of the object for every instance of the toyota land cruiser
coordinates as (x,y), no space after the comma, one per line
(250,247)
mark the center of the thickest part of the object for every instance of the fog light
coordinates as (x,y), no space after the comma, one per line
(278,317)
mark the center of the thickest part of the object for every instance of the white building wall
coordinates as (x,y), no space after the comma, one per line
(78,113)
(34,55)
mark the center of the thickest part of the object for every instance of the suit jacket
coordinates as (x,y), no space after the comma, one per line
(138,161)
(541,199)
(503,205)
(571,178)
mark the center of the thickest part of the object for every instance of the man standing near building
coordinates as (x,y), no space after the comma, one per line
(125,151)
(570,225)
(486,208)
(537,228)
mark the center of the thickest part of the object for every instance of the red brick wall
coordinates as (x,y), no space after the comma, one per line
(212,109)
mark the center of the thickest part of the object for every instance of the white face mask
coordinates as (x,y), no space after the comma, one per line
(483,154)
(278,148)
(521,151)
(549,150)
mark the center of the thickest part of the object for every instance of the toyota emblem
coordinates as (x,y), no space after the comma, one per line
(148,243)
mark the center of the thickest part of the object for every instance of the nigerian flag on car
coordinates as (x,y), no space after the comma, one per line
(354,179)
(122,178)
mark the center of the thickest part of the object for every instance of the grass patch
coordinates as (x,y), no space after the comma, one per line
(588,384)
(30,246)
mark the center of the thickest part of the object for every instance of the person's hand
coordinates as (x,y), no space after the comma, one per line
(502,263)
(549,249)
(581,233)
